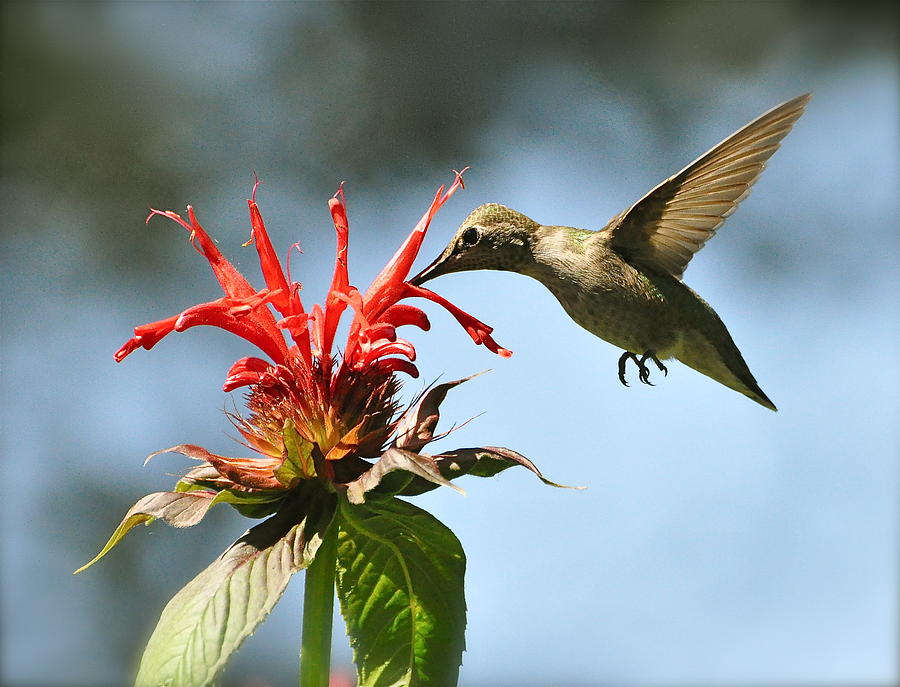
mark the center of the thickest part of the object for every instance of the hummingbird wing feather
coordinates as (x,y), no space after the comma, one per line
(664,229)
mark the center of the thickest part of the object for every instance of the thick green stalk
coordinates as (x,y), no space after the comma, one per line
(318,609)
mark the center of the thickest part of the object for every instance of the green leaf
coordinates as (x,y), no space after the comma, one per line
(485,461)
(253,504)
(298,463)
(400,584)
(177,509)
(394,459)
(208,619)
(250,504)
(203,476)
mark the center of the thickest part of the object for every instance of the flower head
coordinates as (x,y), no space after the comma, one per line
(309,408)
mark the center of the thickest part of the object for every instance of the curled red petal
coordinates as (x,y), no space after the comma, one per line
(246,371)
(219,314)
(342,228)
(352,297)
(146,336)
(401,314)
(390,348)
(241,307)
(297,326)
(357,337)
(478,330)
(494,347)
(360,345)
(316,321)
(391,365)
(379,331)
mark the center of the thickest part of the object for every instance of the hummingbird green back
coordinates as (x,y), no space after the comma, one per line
(623,283)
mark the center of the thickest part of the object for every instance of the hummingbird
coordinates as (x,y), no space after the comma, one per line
(623,283)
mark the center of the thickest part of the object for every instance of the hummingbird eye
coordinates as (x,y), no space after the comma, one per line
(470,237)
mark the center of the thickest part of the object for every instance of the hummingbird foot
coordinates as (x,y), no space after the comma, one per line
(662,368)
(643,370)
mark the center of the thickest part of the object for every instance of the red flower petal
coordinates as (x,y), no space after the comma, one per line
(221,313)
(379,331)
(389,348)
(386,288)
(297,326)
(259,325)
(401,314)
(246,371)
(231,281)
(372,338)
(146,336)
(390,365)
(478,330)
(340,282)
(284,303)
(285,297)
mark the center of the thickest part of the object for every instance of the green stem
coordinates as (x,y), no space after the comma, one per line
(318,610)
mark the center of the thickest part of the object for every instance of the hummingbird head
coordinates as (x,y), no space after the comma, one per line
(492,237)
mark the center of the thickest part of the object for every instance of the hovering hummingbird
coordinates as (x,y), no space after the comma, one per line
(623,283)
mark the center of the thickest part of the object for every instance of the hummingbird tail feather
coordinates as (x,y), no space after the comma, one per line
(723,362)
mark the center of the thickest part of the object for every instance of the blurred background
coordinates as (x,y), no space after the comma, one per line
(718,543)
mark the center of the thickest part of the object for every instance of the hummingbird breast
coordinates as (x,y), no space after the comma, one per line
(610,298)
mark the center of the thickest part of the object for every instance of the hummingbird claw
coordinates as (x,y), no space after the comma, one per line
(622,360)
(643,370)
(662,368)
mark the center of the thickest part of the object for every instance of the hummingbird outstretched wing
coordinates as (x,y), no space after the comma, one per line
(663,230)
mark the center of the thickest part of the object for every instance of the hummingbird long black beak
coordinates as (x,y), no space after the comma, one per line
(435,269)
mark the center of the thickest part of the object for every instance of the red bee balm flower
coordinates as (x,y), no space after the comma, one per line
(342,410)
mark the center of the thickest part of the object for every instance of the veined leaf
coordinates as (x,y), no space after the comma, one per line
(392,460)
(258,504)
(485,461)
(400,584)
(208,619)
(250,504)
(178,509)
